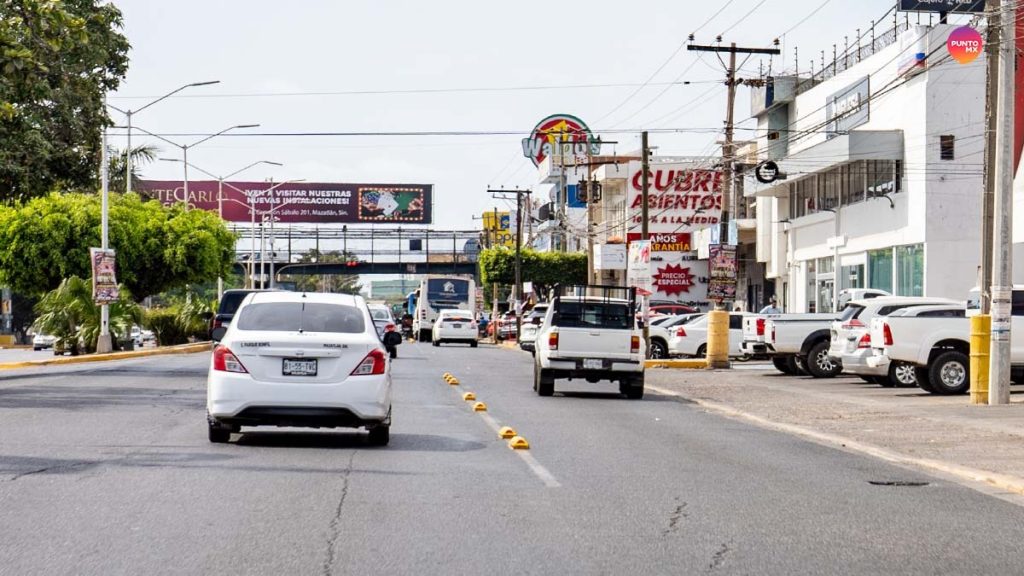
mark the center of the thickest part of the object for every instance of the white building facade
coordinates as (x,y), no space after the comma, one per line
(883,166)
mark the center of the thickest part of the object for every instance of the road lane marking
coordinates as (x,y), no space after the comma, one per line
(536,467)
(973,478)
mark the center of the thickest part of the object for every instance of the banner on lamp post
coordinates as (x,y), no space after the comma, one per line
(104,276)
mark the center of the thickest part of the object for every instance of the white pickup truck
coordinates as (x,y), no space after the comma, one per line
(590,336)
(938,345)
(802,340)
(753,343)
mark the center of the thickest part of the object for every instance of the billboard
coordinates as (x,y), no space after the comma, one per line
(560,130)
(682,197)
(498,228)
(302,202)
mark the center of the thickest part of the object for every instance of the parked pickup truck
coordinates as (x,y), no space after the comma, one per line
(589,335)
(801,341)
(753,343)
(938,346)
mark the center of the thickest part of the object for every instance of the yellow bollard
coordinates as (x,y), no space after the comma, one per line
(718,339)
(981,340)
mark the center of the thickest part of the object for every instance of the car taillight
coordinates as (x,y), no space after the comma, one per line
(865,341)
(634,344)
(224,360)
(389,328)
(886,335)
(853,324)
(553,340)
(760,326)
(372,365)
(773,333)
(680,333)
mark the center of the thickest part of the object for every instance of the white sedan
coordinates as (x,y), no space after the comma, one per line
(299,359)
(691,339)
(454,326)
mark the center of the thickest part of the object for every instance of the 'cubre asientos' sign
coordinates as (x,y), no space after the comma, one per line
(681,198)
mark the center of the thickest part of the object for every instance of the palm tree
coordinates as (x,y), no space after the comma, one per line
(70,314)
(141,155)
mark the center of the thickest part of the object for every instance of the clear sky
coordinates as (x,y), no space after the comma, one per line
(264,52)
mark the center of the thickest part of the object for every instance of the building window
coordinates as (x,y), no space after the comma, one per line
(947,144)
(851,277)
(910,270)
(880,269)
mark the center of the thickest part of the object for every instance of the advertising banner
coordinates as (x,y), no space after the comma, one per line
(638,271)
(672,242)
(680,277)
(610,257)
(104,276)
(681,197)
(560,135)
(722,286)
(498,228)
(302,202)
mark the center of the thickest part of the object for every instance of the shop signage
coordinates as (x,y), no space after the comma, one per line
(848,108)
(638,272)
(681,198)
(964,44)
(673,280)
(665,242)
(302,202)
(104,276)
(560,134)
(610,257)
(498,228)
(941,6)
(722,265)
(767,172)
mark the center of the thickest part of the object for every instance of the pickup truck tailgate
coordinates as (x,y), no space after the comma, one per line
(594,343)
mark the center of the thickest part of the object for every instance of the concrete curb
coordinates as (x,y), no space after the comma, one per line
(691,364)
(1004,482)
(182,349)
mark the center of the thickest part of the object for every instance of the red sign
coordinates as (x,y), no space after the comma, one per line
(681,198)
(672,280)
(560,130)
(298,202)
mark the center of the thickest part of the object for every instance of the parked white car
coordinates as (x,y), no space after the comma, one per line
(43,341)
(454,326)
(850,294)
(691,338)
(661,332)
(299,359)
(850,345)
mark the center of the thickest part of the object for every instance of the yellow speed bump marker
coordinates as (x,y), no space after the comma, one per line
(453,381)
(518,443)
(446,375)
(506,432)
(479,407)
(469,397)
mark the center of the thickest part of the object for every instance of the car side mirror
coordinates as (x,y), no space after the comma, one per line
(217,334)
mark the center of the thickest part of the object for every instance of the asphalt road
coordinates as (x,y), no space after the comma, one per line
(105,469)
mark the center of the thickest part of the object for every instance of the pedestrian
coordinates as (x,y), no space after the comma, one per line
(772,307)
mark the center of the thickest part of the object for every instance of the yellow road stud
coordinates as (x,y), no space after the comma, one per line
(479,407)
(518,443)
(454,381)
(469,397)
(447,375)
(506,432)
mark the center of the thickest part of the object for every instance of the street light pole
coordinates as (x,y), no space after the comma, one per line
(103,343)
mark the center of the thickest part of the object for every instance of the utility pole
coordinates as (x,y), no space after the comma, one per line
(1002,257)
(718,319)
(645,168)
(517,290)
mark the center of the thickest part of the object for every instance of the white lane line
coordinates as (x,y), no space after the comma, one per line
(536,467)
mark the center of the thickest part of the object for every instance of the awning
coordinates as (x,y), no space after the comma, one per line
(850,147)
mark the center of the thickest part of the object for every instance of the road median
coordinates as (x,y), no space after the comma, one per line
(160,351)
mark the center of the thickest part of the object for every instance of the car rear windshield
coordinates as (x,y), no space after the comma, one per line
(593,315)
(851,312)
(302,316)
(231,301)
(380,314)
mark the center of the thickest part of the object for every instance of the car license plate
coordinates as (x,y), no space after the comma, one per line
(299,367)
(456,325)
(592,364)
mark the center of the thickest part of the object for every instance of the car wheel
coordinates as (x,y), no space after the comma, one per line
(379,435)
(633,387)
(783,365)
(435,343)
(658,350)
(796,366)
(473,344)
(901,374)
(424,335)
(702,351)
(819,364)
(949,373)
(216,432)
(922,380)
(544,382)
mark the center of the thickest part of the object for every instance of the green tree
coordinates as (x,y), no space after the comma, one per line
(69,313)
(141,155)
(340,283)
(47,239)
(58,58)
(544,269)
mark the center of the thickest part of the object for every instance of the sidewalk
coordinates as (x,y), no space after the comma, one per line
(904,425)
